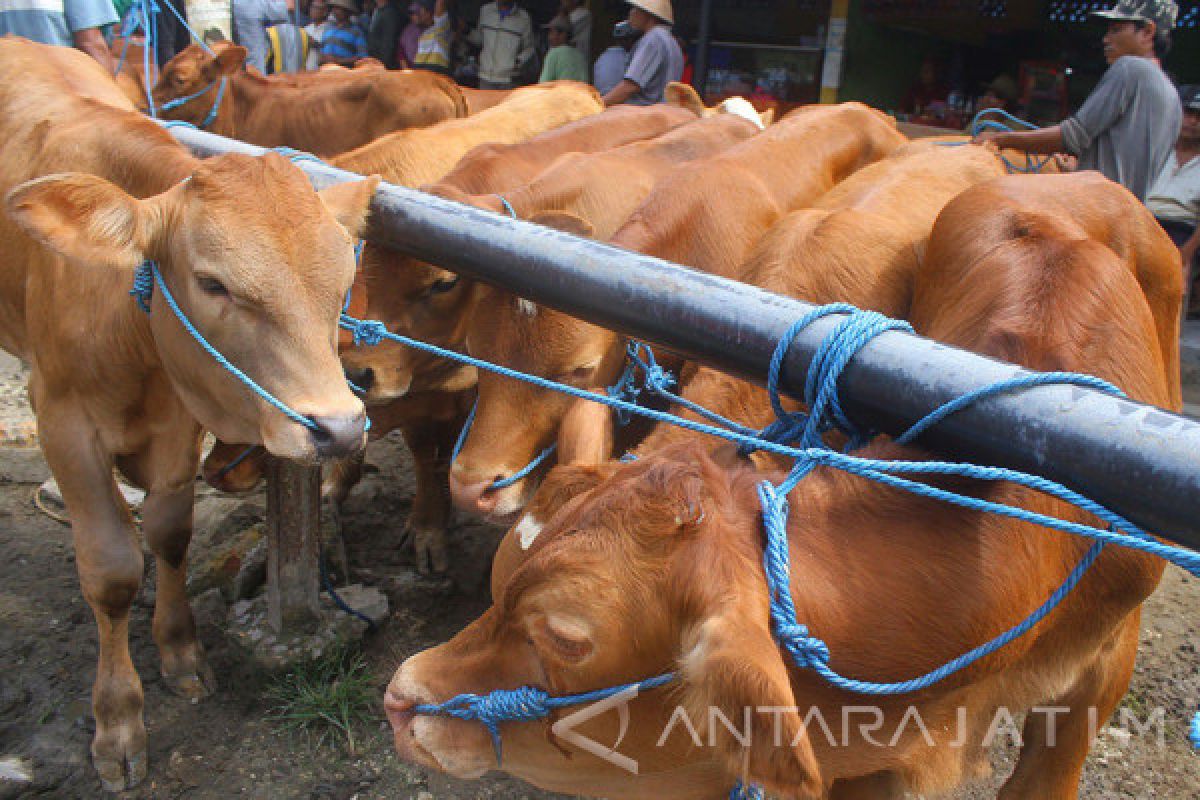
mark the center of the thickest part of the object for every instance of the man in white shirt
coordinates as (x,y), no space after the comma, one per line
(1174,199)
(505,38)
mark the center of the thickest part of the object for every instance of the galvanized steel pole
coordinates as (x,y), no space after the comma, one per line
(1137,460)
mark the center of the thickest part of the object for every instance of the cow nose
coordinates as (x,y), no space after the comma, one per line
(341,435)
(476,498)
(362,377)
(399,710)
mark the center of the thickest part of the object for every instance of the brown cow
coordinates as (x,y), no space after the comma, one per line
(709,215)
(91,192)
(861,243)
(656,566)
(323,116)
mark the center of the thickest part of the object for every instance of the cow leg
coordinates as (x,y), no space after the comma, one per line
(341,476)
(109,562)
(167,526)
(430,445)
(1054,750)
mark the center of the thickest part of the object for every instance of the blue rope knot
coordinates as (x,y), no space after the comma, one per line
(805,649)
(368,332)
(526,704)
(143,285)
(746,791)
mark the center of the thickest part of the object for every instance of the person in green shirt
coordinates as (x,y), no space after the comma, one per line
(564,62)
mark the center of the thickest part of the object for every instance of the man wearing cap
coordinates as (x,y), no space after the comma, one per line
(1127,127)
(1174,198)
(609,69)
(344,42)
(656,60)
(563,61)
(433,45)
(505,38)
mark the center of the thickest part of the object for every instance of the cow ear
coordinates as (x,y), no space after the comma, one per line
(684,96)
(564,221)
(586,434)
(736,684)
(228,60)
(767,117)
(349,203)
(82,217)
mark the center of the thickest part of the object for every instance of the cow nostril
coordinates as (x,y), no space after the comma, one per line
(339,435)
(363,378)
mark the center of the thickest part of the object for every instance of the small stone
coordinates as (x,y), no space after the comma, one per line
(209,608)
(366,600)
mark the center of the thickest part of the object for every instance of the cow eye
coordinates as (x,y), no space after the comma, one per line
(566,644)
(442,286)
(211,286)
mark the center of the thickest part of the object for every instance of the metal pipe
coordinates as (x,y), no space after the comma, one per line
(1137,460)
(703,43)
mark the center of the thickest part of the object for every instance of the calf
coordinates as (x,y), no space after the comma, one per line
(321,114)
(656,566)
(92,191)
(708,214)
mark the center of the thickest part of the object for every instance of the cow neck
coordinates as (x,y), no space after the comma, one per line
(149,165)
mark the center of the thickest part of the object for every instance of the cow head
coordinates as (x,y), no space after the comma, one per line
(651,567)
(258,262)
(684,96)
(190,73)
(515,421)
(416,299)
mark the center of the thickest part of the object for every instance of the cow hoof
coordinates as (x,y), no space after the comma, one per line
(430,547)
(119,774)
(196,685)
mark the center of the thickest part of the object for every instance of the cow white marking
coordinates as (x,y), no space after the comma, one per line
(527,531)
(741,107)
(527,307)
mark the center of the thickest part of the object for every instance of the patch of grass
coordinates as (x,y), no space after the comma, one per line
(325,698)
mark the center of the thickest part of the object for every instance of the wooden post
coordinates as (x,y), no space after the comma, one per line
(293,517)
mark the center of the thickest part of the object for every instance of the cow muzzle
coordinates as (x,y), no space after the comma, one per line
(339,435)
(460,748)
(483,499)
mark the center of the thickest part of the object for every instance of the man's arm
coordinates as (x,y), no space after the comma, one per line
(527,41)
(621,92)
(91,41)
(1045,141)
(1188,249)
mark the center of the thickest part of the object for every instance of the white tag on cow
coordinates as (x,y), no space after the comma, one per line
(741,107)
(527,531)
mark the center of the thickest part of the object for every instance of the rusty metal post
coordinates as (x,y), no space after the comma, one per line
(293,520)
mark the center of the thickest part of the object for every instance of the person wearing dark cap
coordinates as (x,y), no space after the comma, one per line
(1174,198)
(563,61)
(656,60)
(383,32)
(1127,127)
(433,45)
(344,42)
(609,68)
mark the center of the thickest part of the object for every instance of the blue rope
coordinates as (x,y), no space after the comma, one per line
(499,483)
(220,84)
(1194,731)
(512,212)
(982,122)
(526,704)
(834,354)
(237,462)
(333,595)
(145,279)
(1128,535)
(746,791)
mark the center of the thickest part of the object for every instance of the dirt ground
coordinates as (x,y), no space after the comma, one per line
(224,748)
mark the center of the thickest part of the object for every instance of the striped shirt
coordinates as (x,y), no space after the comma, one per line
(344,43)
(54,21)
(433,46)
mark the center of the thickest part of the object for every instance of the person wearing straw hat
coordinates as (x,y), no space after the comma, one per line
(656,60)
(1127,127)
